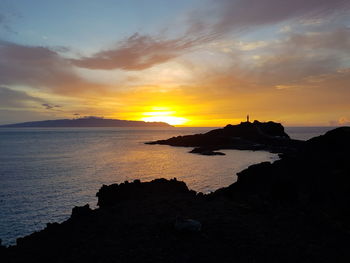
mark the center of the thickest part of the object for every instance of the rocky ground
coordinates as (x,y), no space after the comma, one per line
(293,210)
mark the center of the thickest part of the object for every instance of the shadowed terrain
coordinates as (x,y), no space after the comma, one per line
(293,210)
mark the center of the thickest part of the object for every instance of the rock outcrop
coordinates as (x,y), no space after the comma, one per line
(159,188)
(267,136)
(317,177)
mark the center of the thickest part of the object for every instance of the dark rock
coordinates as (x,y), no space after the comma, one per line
(206,151)
(187,225)
(116,193)
(267,136)
(317,176)
(81,211)
(337,140)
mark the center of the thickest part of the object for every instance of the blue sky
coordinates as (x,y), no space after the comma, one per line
(87,24)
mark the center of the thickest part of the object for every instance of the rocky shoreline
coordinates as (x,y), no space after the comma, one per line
(293,210)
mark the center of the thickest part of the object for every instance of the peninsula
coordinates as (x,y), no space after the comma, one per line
(268,136)
(86,122)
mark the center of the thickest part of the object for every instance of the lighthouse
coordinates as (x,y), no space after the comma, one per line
(247,117)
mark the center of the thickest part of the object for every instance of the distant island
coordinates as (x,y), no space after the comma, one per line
(86,122)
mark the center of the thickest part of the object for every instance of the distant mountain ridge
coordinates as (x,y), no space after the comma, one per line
(86,122)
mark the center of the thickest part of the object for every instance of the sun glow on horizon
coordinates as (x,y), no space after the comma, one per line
(168,119)
(162,114)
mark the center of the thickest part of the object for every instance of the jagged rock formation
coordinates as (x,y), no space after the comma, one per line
(159,188)
(268,136)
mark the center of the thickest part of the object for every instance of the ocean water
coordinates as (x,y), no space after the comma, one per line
(45,172)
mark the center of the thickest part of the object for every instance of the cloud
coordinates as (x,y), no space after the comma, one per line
(344,121)
(337,39)
(50,106)
(305,55)
(244,14)
(20,115)
(40,67)
(292,61)
(138,52)
(10,98)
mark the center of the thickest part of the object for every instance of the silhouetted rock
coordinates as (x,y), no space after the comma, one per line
(159,188)
(81,211)
(317,176)
(293,210)
(268,136)
(206,151)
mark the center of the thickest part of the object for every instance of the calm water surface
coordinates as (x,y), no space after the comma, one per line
(46,172)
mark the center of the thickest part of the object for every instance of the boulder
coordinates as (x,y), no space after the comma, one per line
(81,211)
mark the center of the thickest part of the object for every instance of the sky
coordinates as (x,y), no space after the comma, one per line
(185,62)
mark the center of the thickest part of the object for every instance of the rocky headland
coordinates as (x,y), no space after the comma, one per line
(293,210)
(266,136)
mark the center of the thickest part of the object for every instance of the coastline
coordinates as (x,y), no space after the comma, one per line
(295,210)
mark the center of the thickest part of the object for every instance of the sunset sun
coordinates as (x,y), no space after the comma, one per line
(163,116)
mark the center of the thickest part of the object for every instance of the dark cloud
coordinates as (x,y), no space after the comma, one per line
(18,106)
(243,14)
(16,99)
(50,106)
(138,52)
(39,67)
(20,115)
(337,39)
(13,98)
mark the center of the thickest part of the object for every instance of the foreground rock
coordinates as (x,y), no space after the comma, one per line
(267,136)
(294,210)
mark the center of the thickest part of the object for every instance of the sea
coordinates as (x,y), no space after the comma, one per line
(45,172)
